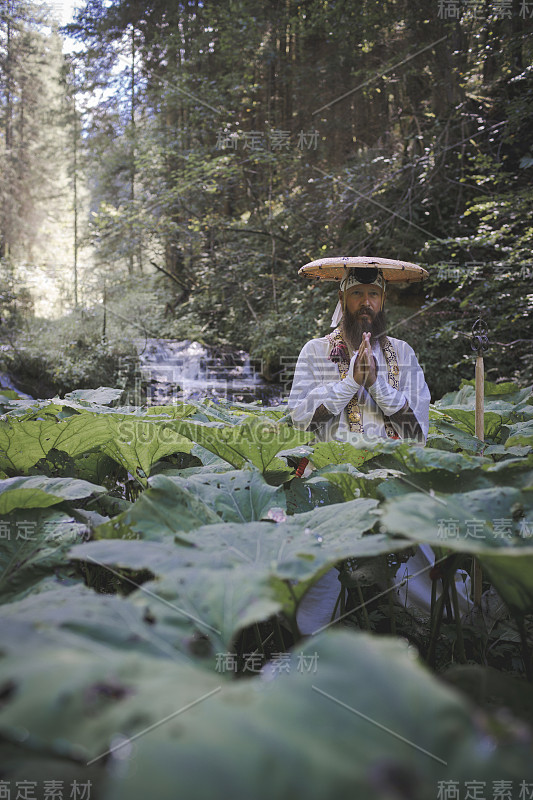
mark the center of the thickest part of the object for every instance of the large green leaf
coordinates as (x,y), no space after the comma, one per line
(431,469)
(235,496)
(74,616)
(429,519)
(220,602)
(217,413)
(460,440)
(521,433)
(165,509)
(441,442)
(511,573)
(256,440)
(133,554)
(23,444)
(499,451)
(428,469)
(296,548)
(255,409)
(36,544)
(507,390)
(351,482)
(494,524)
(133,443)
(216,595)
(517,472)
(341,453)
(8,394)
(209,459)
(38,491)
(177,411)
(465,417)
(29,410)
(428,459)
(137,444)
(347,714)
(254,553)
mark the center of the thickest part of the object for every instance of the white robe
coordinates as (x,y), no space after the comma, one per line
(317,382)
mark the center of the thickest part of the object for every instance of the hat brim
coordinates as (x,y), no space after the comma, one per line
(333,269)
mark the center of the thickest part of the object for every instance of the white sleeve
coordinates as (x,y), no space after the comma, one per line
(389,400)
(413,388)
(312,388)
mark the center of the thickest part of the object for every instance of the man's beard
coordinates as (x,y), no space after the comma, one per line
(353,325)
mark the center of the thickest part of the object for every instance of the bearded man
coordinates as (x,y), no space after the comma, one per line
(358,380)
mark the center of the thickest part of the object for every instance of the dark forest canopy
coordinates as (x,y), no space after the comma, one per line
(223,145)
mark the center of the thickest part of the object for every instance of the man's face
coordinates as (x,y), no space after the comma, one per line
(362,313)
(364,300)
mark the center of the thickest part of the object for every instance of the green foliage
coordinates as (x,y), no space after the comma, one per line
(131,602)
(242,732)
(200,538)
(41,492)
(35,546)
(49,357)
(190,237)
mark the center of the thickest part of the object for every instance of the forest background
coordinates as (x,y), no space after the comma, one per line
(166,168)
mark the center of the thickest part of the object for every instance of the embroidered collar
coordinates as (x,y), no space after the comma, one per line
(340,355)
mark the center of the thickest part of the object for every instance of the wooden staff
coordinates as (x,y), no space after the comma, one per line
(480,343)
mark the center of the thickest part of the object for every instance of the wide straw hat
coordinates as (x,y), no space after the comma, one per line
(333,269)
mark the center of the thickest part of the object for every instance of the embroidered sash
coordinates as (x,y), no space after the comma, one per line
(339,354)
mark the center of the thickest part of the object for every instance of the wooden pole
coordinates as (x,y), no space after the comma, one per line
(480,434)
(480,397)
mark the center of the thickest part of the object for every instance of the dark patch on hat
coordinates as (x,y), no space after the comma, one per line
(364,274)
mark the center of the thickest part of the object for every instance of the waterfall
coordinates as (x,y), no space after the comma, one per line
(173,371)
